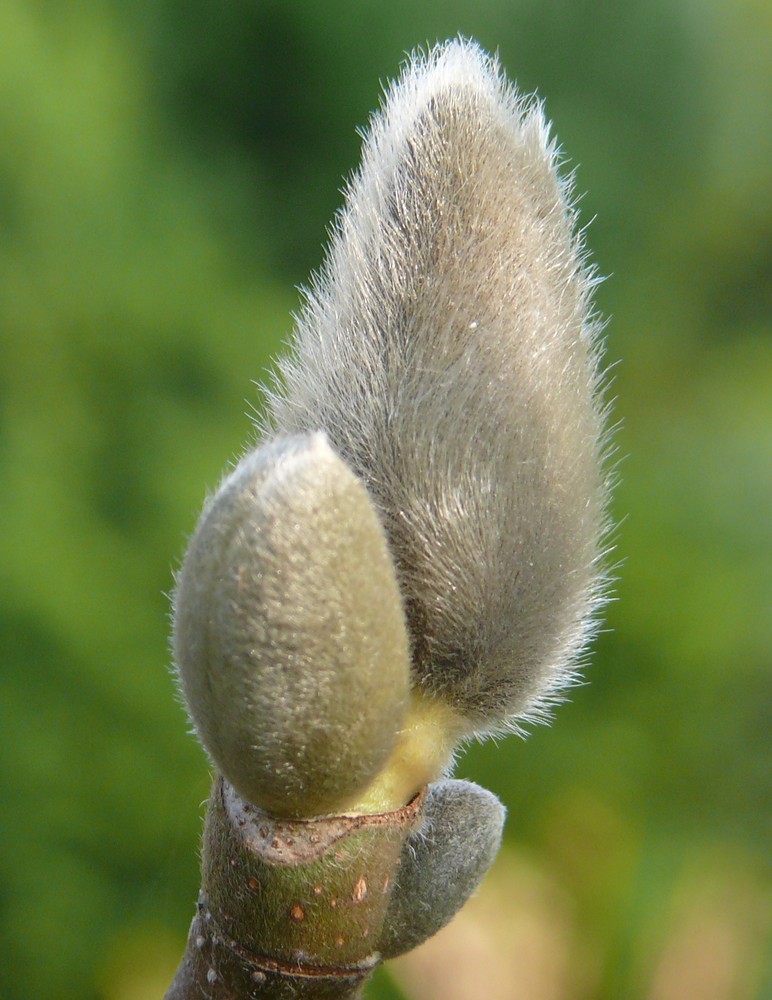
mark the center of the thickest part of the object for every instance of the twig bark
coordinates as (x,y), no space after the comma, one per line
(290,908)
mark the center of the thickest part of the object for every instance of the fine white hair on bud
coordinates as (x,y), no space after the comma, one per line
(449,350)
(289,633)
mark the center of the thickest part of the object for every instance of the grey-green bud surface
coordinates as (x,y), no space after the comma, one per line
(449,348)
(443,862)
(289,633)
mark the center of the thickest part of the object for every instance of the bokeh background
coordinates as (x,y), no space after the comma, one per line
(167,171)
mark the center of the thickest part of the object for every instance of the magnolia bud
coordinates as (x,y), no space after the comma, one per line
(449,350)
(289,634)
(443,863)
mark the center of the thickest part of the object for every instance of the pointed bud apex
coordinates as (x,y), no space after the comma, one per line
(289,633)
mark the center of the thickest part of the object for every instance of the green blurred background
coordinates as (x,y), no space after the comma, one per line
(167,171)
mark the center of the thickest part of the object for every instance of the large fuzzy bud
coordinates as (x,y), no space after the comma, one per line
(449,351)
(289,634)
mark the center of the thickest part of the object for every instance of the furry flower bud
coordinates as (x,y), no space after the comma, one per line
(289,634)
(449,351)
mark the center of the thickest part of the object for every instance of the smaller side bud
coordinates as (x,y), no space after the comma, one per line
(289,634)
(443,863)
